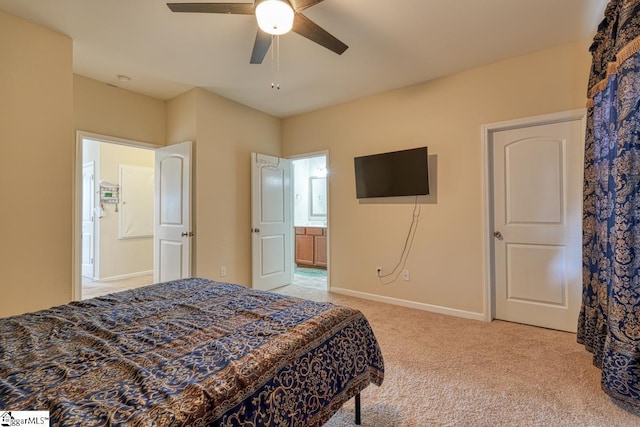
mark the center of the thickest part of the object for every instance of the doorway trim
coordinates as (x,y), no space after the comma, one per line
(487,132)
(76,282)
(324,153)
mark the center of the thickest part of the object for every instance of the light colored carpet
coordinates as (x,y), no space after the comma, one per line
(447,371)
(308,277)
(95,289)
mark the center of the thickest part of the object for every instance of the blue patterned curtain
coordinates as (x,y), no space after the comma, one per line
(609,323)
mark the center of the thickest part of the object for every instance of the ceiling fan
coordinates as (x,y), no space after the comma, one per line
(268,14)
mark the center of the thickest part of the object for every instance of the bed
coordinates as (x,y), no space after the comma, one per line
(189,352)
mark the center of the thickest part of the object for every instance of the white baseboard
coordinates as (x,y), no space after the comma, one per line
(125,276)
(412,304)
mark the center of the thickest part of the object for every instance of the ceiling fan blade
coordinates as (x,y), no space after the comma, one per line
(300,5)
(309,29)
(260,47)
(231,8)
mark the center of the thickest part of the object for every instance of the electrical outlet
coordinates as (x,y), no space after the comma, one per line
(405,275)
(223,271)
(379,271)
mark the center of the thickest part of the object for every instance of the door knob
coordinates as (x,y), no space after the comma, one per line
(497,235)
(187,234)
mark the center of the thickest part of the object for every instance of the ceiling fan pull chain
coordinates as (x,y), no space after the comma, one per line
(277,62)
(275,52)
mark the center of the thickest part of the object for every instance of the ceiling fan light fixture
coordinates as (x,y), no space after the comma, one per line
(274,17)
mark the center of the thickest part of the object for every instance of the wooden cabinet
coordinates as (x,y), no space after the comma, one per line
(304,249)
(311,246)
(320,251)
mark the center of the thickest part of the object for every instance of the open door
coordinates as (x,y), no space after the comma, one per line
(270,222)
(88,228)
(172,220)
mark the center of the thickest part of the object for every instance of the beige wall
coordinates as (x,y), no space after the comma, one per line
(446,115)
(182,117)
(226,133)
(112,111)
(43,103)
(36,164)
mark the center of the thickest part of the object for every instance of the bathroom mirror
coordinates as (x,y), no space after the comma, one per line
(318,197)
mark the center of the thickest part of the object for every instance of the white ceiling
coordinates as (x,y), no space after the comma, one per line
(392,43)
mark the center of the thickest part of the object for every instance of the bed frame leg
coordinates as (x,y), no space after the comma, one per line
(358,409)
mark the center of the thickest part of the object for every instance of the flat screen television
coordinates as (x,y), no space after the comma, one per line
(398,173)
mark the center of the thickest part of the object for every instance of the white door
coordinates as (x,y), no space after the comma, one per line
(270,222)
(88,204)
(172,218)
(537,190)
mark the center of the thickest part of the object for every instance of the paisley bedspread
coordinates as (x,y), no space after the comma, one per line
(187,353)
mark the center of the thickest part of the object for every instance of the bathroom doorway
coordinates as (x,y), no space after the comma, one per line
(310,221)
